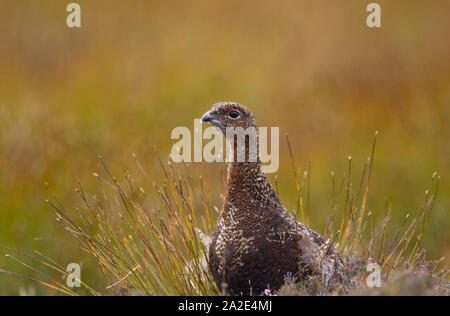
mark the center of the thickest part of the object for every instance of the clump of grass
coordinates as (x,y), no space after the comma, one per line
(145,243)
(145,246)
(360,241)
(151,243)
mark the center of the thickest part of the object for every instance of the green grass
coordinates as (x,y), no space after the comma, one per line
(132,73)
(148,238)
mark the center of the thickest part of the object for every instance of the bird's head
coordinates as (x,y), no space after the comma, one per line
(229,114)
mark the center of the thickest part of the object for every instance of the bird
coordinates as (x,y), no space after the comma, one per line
(256,242)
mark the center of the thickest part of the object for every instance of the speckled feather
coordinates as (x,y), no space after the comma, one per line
(256,241)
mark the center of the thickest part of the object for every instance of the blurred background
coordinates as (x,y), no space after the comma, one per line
(135,70)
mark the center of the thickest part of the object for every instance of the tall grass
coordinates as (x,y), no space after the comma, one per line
(152,239)
(143,246)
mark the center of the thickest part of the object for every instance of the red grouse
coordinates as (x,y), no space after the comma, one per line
(256,242)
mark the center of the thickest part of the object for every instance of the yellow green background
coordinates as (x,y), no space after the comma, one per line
(137,69)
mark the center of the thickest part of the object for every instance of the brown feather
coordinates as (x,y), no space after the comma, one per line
(256,241)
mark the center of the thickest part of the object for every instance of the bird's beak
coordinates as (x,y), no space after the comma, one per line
(207,117)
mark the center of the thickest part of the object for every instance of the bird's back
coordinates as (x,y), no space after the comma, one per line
(257,242)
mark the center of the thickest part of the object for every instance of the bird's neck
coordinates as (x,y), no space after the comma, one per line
(244,159)
(248,189)
(243,177)
(244,149)
(244,171)
(246,180)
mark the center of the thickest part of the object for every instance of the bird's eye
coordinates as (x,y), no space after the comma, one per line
(234,114)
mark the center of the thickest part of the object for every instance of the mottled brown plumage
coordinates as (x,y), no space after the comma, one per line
(256,242)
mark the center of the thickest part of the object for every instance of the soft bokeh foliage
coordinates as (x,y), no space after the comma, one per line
(134,71)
